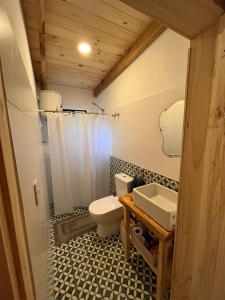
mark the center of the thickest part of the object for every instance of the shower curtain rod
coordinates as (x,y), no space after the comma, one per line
(75,111)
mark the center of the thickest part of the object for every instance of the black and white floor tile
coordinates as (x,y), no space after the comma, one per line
(89,268)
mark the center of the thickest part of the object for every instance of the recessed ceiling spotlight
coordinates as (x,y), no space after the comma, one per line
(84,48)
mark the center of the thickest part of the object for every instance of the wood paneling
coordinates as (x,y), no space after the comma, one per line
(84,30)
(90,22)
(199,260)
(99,62)
(122,16)
(83,69)
(188,18)
(134,14)
(70,76)
(110,27)
(40,12)
(58,32)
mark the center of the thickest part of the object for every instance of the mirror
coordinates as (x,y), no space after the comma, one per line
(171,125)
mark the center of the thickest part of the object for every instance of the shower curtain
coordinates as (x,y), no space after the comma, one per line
(79,146)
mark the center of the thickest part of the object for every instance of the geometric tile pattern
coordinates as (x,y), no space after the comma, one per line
(118,165)
(89,267)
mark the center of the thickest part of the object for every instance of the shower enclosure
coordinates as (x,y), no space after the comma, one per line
(79,149)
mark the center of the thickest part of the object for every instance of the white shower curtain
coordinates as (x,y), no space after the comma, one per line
(100,145)
(79,146)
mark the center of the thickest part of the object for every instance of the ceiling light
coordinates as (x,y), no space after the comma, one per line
(84,48)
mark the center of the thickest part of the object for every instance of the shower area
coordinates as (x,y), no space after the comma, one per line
(77,149)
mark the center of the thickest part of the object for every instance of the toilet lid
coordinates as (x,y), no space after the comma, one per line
(104,205)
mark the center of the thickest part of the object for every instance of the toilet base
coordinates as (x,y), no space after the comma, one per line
(105,230)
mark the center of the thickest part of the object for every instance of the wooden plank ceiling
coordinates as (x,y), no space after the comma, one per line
(56,27)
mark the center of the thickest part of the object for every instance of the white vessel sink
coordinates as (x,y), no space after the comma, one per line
(159,202)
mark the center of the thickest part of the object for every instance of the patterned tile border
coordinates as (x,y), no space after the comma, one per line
(118,165)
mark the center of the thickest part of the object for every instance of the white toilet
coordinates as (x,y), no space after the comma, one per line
(107,212)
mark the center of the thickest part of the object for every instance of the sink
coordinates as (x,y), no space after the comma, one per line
(159,202)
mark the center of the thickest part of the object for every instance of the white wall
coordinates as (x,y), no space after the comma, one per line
(13,10)
(26,134)
(73,97)
(147,87)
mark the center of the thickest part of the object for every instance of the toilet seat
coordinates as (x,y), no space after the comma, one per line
(107,212)
(104,205)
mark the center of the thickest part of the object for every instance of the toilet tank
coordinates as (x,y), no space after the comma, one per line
(123,184)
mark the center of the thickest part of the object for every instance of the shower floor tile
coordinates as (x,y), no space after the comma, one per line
(89,268)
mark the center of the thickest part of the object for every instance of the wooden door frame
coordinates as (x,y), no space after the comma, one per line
(204,119)
(17,279)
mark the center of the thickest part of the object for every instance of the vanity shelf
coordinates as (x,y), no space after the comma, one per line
(145,253)
(163,265)
(140,247)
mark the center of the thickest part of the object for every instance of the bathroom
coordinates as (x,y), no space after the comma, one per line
(97,124)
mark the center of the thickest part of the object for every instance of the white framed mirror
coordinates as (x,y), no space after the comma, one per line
(171,125)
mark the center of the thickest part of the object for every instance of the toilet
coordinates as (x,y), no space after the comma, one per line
(107,212)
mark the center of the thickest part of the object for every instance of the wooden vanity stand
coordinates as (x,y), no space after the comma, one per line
(164,265)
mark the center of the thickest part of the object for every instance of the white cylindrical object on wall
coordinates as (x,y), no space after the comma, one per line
(50,100)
